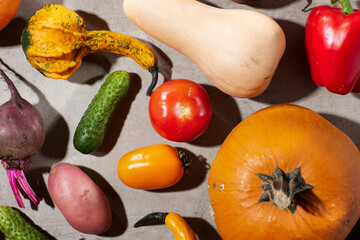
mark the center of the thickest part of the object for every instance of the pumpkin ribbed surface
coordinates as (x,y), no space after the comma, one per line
(288,137)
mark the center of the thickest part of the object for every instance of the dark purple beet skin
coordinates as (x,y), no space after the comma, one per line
(22,133)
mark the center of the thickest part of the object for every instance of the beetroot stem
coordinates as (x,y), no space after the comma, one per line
(24,184)
(14,92)
(17,179)
(12,179)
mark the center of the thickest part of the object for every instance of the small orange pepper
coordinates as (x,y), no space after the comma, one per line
(152,167)
(175,223)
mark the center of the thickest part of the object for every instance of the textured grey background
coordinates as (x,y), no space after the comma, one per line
(62,104)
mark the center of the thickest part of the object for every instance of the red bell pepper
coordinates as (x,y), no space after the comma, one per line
(332,42)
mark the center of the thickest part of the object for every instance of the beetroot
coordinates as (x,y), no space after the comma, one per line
(22,133)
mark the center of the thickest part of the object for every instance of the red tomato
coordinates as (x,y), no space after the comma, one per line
(180,110)
(8,9)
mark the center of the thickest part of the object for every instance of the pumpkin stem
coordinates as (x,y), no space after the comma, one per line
(282,188)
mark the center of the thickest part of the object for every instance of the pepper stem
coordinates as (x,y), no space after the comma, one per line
(282,188)
(345,6)
(150,218)
(184,159)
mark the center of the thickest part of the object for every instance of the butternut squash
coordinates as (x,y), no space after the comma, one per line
(238,50)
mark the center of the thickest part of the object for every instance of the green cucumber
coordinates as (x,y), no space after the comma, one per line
(90,132)
(15,227)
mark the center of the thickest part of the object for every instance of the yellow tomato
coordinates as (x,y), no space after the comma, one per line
(152,167)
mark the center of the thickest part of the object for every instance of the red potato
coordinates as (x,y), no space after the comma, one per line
(79,199)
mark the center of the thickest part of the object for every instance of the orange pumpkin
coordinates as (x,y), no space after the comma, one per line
(285,173)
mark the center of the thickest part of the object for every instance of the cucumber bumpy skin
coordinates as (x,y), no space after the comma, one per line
(90,132)
(15,227)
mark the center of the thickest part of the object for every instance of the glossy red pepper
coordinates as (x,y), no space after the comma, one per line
(332,41)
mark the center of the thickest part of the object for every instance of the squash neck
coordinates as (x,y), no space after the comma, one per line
(282,188)
(113,42)
(106,41)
